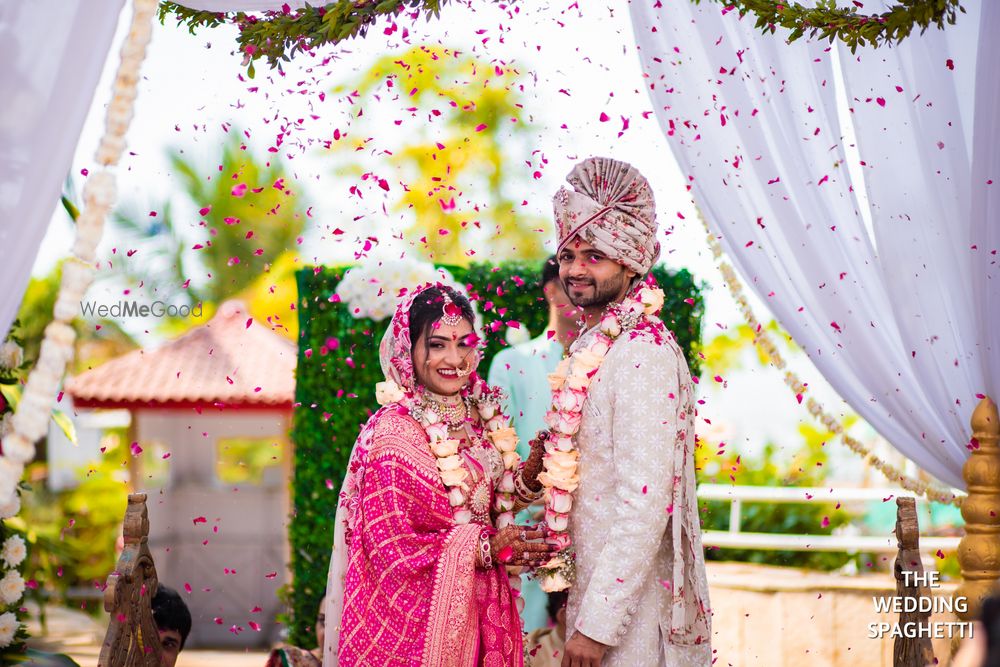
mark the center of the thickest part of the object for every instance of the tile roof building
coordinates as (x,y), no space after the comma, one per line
(231,361)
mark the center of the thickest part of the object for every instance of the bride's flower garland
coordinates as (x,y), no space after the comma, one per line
(496,425)
(570,384)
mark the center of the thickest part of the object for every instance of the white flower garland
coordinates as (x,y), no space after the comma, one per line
(31,418)
(371,289)
(767,347)
(570,384)
(13,550)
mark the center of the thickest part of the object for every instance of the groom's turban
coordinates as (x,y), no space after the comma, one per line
(611,207)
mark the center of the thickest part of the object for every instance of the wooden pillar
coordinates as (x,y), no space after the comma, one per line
(979,550)
(132,639)
(910,583)
(135,481)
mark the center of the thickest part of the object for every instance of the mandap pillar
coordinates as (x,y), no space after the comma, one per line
(979,550)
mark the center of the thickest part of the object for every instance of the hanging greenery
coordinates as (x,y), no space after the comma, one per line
(828,21)
(279,35)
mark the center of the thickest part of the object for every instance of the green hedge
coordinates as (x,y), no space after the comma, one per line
(337,370)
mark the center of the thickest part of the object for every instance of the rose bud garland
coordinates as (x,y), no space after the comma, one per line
(497,430)
(570,383)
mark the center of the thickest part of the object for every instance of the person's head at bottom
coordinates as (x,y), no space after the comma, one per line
(173,622)
(556,606)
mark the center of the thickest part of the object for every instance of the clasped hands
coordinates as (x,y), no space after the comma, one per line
(521,546)
(533,465)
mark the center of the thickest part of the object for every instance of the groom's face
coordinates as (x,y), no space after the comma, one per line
(591,279)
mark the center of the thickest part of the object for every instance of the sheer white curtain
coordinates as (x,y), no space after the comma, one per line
(53,54)
(898,318)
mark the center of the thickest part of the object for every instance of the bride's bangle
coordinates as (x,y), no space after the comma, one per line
(485,550)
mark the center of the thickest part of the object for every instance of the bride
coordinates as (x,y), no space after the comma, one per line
(425,525)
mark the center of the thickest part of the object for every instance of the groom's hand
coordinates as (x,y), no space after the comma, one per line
(582,651)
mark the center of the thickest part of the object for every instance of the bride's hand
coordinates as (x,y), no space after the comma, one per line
(521,546)
(533,466)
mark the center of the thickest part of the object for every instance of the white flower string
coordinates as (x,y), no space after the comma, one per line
(570,383)
(30,421)
(767,347)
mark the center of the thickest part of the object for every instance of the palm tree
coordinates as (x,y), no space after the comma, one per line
(248,217)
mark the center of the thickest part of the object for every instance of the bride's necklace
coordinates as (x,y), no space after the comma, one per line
(453,414)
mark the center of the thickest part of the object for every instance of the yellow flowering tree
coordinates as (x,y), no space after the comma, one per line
(454,170)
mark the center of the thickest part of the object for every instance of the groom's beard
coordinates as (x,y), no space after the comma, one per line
(601,295)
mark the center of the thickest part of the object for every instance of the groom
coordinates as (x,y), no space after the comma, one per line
(641,596)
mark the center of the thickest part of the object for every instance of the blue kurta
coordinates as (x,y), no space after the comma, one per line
(522,372)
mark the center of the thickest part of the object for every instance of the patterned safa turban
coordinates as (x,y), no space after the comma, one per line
(611,207)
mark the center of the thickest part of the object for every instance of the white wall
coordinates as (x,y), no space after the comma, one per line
(229,543)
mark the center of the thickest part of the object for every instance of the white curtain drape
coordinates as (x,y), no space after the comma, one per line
(54,51)
(899,316)
(46,93)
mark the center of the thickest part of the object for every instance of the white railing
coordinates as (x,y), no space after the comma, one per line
(737,539)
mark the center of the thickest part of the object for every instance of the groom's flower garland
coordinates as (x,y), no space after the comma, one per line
(570,384)
(496,425)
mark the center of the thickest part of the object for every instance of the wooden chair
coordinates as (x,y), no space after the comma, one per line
(132,639)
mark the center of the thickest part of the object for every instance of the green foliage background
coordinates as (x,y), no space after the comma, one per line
(338,367)
(775,468)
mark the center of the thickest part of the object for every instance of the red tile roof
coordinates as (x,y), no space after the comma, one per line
(225,362)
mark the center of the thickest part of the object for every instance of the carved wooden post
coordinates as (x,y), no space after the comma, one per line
(910,651)
(979,550)
(132,639)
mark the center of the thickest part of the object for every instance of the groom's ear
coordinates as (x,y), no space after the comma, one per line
(549,290)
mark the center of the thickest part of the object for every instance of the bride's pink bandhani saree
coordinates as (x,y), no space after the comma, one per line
(404,588)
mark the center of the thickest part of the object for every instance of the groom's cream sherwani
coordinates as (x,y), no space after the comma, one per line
(641,585)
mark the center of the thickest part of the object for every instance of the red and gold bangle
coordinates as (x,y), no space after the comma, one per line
(485,555)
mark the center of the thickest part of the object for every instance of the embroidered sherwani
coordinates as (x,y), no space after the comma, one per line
(641,586)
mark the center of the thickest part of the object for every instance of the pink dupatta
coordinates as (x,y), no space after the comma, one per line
(403,587)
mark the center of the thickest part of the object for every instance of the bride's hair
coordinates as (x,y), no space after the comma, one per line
(428,307)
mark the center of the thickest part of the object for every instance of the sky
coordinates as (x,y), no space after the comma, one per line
(583,82)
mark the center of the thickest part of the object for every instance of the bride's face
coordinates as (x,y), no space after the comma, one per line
(441,353)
